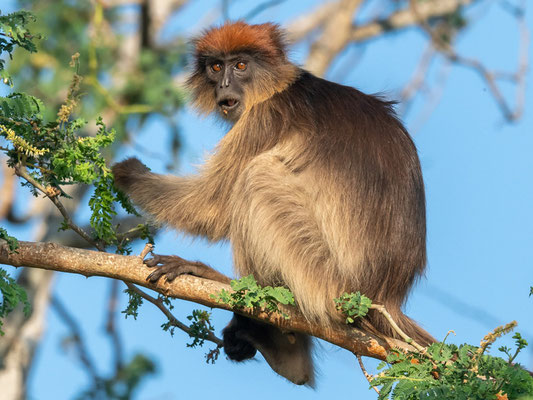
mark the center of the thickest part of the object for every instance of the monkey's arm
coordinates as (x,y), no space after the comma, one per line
(191,204)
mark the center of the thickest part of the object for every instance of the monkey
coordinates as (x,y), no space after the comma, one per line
(317,186)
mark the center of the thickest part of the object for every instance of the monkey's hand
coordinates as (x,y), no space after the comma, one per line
(128,172)
(173,266)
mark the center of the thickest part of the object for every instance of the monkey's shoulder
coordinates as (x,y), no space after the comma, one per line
(328,105)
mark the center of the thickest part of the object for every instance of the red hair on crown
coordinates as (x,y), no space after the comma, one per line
(239,36)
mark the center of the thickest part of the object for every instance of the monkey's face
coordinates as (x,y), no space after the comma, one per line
(229,75)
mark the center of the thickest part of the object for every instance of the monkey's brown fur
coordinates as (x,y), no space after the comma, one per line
(317,185)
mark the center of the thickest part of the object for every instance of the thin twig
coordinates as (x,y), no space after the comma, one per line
(130,234)
(433,96)
(21,171)
(417,81)
(368,377)
(148,247)
(172,319)
(381,309)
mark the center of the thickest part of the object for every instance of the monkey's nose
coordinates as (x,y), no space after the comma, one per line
(225,82)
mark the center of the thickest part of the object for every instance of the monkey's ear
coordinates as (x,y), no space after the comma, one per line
(128,172)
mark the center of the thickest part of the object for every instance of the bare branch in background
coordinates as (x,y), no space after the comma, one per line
(302,26)
(418,80)
(76,337)
(432,96)
(334,37)
(23,334)
(224,6)
(335,20)
(488,76)
(111,325)
(406,18)
(7,190)
(160,11)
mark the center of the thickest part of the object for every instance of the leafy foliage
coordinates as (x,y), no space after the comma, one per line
(12,242)
(353,305)
(12,295)
(14,33)
(447,371)
(128,88)
(247,293)
(135,301)
(20,105)
(53,147)
(57,153)
(200,327)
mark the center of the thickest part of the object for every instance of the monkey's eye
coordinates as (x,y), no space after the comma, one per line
(217,67)
(241,66)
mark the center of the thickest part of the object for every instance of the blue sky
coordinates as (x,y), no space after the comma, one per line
(478,173)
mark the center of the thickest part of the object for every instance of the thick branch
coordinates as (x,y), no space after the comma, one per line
(334,38)
(55,257)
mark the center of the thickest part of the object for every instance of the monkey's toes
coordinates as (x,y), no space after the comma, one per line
(170,271)
(168,266)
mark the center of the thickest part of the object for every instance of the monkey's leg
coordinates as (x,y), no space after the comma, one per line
(173,266)
(280,238)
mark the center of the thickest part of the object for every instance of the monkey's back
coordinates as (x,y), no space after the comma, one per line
(365,168)
(337,205)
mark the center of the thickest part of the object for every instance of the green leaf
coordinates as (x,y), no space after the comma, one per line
(12,295)
(353,306)
(135,301)
(12,242)
(21,105)
(247,293)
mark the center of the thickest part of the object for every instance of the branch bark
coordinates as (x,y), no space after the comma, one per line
(131,269)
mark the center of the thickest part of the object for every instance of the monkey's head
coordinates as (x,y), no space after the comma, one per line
(237,66)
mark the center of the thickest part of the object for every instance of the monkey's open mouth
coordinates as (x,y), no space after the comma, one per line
(228,104)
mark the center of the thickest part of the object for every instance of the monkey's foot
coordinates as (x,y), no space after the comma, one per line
(173,266)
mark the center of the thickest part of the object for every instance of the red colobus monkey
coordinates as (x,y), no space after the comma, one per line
(316,185)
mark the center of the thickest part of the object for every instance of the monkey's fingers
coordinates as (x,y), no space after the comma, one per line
(173,266)
(171,271)
(159,259)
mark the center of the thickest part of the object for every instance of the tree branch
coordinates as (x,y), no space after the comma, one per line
(405,18)
(335,36)
(131,269)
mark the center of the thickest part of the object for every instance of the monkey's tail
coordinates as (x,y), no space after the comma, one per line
(376,322)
